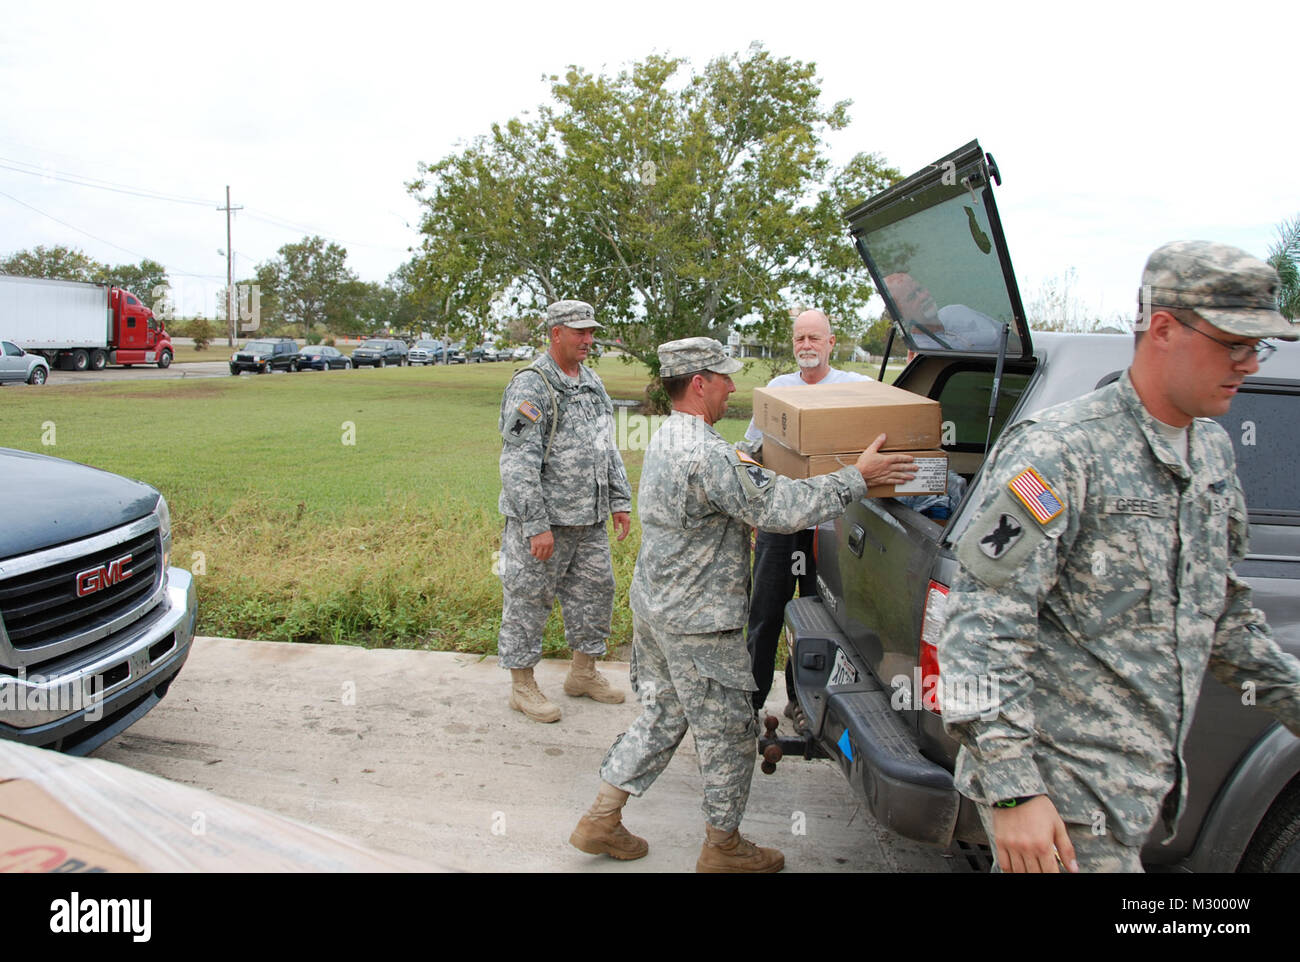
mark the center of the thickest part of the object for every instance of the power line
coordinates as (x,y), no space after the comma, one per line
(7,163)
(95,183)
(288,225)
(96,236)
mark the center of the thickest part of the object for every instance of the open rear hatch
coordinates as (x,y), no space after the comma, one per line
(936,252)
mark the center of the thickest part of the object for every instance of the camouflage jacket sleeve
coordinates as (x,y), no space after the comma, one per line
(1009,563)
(741,488)
(1244,655)
(620,489)
(524,423)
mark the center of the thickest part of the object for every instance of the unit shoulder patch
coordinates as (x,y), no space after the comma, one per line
(1006,533)
(999,541)
(754,479)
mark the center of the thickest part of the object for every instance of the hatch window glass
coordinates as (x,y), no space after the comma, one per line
(942,272)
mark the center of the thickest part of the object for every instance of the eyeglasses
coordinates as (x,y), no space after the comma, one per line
(1262,350)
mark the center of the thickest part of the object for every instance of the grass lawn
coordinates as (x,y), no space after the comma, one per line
(353,507)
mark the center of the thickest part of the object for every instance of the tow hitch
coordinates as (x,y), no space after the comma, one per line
(774,747)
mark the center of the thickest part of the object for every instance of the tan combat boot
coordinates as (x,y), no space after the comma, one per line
(584,679)
(526,697)
(601,831)
(732,852)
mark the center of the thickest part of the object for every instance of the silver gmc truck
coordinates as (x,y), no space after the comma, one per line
(94,624)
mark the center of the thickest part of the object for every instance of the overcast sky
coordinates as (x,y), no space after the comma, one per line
(1117,127)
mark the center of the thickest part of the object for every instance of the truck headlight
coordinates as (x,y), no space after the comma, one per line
(165,531)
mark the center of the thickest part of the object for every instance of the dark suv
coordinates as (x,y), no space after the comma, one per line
(265,355)
(864,652)
(379,352)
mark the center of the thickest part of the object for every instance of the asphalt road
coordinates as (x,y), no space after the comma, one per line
(418,753)
(151,372)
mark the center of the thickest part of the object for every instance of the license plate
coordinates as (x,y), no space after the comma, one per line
(842,672)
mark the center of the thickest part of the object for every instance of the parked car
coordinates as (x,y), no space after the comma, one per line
(21,367)
(380,352)
(884,568)
(94,622)
(524,352)
(321,357)
(425,351)
(265,355)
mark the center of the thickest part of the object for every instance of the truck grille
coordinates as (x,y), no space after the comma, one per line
(41,607)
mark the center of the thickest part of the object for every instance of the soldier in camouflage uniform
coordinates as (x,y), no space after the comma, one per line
(561,476)
(690,667)
(1097,583)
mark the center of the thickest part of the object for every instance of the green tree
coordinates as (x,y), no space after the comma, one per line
(306,284)
(877,333)
(140,279)
(57,262)
(676,207)
(1284,255)
(379,308)
(202,331)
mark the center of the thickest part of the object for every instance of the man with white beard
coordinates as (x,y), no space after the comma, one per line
(782,561)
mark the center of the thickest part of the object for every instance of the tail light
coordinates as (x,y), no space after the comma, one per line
(932,621)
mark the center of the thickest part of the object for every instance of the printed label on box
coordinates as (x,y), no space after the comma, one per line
(931,476)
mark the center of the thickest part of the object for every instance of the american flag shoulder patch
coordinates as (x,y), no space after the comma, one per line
(530,410)
(1035,495)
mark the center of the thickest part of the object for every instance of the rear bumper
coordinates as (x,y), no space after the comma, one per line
(79,708)
(869,739)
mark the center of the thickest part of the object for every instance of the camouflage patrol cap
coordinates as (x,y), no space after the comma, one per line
(575,314)
(1235,292)
(691,354)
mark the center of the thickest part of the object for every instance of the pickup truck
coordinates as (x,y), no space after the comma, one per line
(861,651)
(94,623)
(19,366)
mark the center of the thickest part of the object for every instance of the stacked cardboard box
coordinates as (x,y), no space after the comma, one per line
(819,429)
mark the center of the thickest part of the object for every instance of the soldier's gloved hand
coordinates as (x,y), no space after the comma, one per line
(542,546)
(877,468)
(622,523)
(1029,837)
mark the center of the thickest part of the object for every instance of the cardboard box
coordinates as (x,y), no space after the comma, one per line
(38,834)
(64,814)
(931,468)
(833,418)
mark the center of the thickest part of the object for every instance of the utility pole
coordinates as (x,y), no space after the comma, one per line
(230,274)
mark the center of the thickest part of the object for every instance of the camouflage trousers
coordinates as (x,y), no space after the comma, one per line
(579,573)
(671,675)
(1093,852)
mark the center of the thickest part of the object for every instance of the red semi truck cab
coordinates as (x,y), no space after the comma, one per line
(136,336)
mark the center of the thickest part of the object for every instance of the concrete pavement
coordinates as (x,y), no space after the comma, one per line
(418,752)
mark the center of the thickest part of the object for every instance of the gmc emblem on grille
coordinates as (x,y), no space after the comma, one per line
(105,576)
